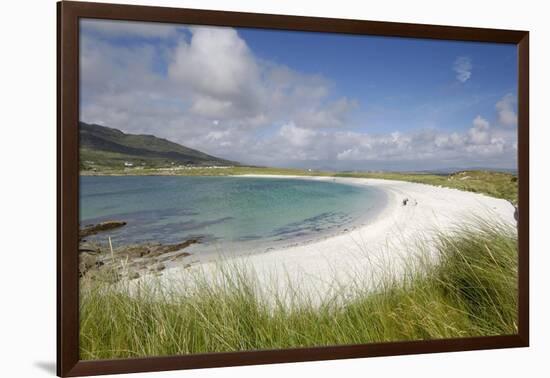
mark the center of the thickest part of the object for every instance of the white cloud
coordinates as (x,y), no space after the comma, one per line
(349,154)
(479,134)
(212,79)
(330,116)
(463,68)
(296,136)
(211,107)
(216,63)
(506,111)
(218,97)
(478,145)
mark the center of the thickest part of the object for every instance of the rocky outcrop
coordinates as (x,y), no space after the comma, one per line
(131,262)
(100,227)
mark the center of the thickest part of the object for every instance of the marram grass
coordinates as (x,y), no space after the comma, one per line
(471,291)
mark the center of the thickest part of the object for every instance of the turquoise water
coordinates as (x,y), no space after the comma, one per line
(238,213)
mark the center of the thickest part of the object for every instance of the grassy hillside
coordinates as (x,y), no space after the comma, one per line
(471,292)
(107,148)
(495,184)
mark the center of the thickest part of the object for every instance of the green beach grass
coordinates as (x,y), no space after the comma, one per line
(471,291)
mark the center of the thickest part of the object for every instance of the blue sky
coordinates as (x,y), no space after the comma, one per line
(403,75)
(304,99)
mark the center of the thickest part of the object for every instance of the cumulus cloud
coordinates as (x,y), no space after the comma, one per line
(219,67)
(212,93)
(480,144)
(297,136)
(506,110)
(212,79)
(477,146)
(463,68)
(479,134)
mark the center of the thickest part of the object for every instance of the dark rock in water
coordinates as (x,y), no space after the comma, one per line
(100,227)
(178,246)
(153,250)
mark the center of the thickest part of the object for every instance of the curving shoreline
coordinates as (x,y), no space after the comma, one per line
(372,252)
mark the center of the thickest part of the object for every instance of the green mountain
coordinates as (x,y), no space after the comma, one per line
(102,146)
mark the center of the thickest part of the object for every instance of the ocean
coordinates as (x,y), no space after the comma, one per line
(227,214)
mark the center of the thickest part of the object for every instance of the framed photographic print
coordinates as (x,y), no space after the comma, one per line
(239,188)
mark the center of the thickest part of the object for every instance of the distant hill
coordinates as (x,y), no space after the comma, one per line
(102,146)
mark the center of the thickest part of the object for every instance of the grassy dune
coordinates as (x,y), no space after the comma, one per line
(472,291)
(495,184)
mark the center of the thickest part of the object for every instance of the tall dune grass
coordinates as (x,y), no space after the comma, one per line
(471,291)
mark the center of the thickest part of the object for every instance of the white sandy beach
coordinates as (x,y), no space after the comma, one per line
(380,248)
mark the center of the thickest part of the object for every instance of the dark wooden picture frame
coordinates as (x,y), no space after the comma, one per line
(69,13)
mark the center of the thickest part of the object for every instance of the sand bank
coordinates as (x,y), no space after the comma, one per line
(364,256)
